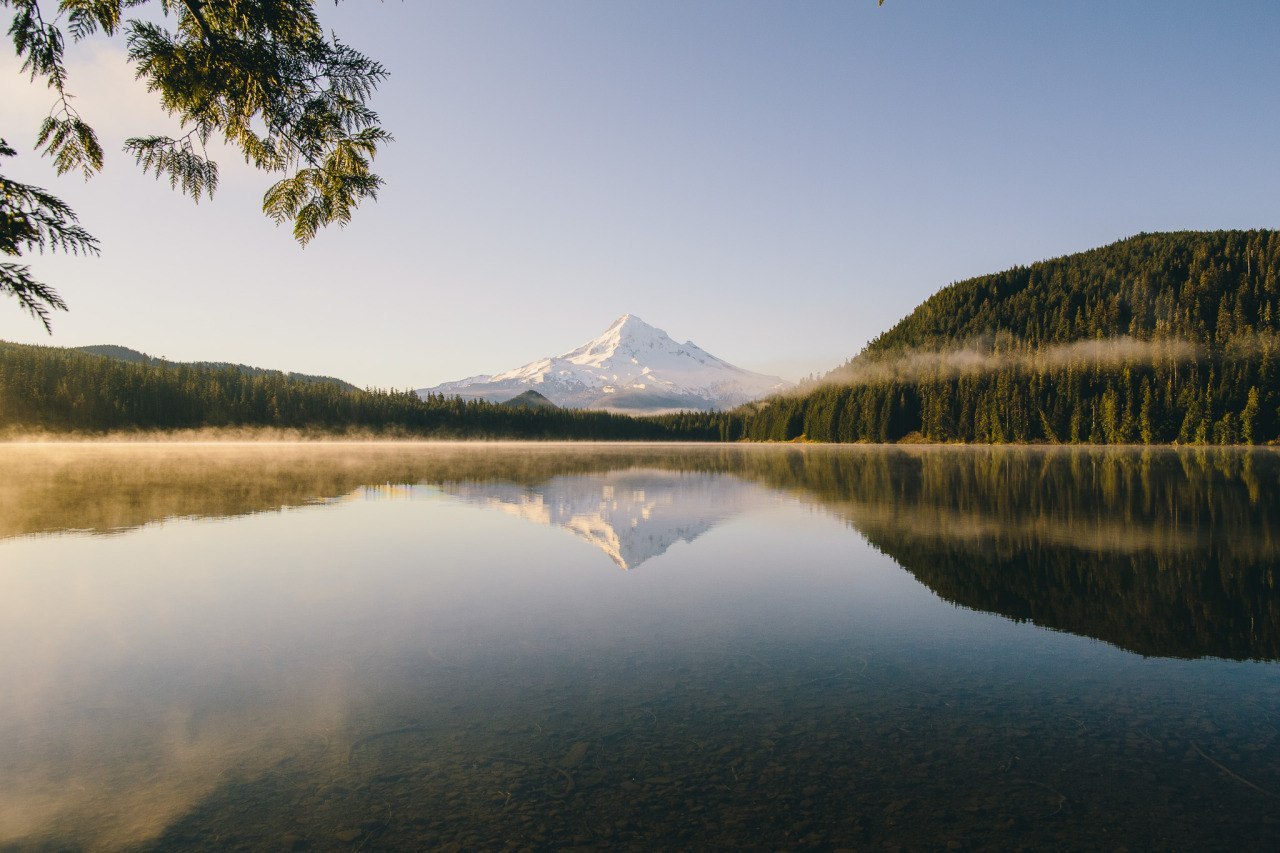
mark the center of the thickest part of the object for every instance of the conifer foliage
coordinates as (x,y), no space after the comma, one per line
(31,218)
(1157,339)
(261,75)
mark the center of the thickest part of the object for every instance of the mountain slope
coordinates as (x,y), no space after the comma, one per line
(1155,339)
(1194,286)
(631,367)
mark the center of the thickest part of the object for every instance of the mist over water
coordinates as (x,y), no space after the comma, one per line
(392,646)
(978,357)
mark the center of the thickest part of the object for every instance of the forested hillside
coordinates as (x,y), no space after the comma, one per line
(1159,338)
(132,355)
(61,390)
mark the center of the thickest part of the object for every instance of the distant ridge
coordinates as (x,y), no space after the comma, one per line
(133,356)
(632,367)
(530,400)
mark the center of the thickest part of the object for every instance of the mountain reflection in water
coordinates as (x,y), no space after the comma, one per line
(1164,553)
(346,647)
(630,515)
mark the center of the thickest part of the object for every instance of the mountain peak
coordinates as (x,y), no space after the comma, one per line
(627,333)
(631,366)
(629,325)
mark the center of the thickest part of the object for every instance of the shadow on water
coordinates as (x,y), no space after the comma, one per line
(989,735)
(1162,553)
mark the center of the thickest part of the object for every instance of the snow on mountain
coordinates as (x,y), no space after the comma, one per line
(631,515)
(631,367)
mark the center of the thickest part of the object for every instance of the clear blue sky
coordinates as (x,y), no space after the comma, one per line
(777,181)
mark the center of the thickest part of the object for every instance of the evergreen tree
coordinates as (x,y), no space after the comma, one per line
(1249,418)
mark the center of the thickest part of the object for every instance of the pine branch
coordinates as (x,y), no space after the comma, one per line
(86,17)
(192,173)
(34,297)
(33,219)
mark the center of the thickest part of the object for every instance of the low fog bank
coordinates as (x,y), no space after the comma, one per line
(978,357)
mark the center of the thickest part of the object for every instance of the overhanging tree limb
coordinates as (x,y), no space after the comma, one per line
(32,219)
(261,74)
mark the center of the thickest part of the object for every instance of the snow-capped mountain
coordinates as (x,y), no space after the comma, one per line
(632,367)
(631,515)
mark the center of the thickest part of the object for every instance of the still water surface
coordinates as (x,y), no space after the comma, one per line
(390,646)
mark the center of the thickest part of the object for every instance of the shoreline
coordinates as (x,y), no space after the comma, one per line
(300,438)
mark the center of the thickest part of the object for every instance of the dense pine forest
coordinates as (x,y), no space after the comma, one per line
(1159,338)
(60,390)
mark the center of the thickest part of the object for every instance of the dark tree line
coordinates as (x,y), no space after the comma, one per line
(1210,402)
(1183,332)
(47,388)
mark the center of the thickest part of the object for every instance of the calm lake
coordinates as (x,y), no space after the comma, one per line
(485,646)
